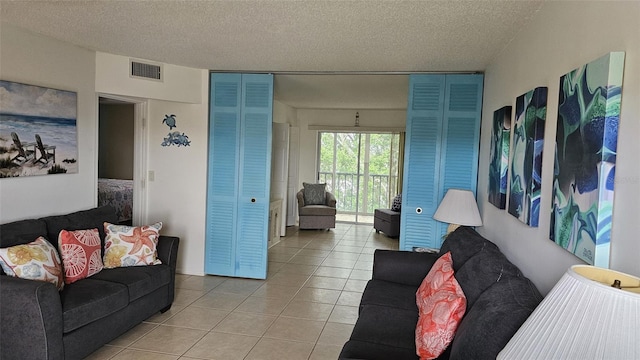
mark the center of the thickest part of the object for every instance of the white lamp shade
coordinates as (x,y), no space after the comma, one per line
(459,207)
(583,317)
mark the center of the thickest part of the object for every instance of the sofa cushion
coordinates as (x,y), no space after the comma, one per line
(131,245)
(314,194)
(80,220)
(396,205)
(494,318)
(483,270)
(441,305)
(80,251)
(88,300)
(37,260)
(317,210)
(388,326)
(463,243)
(22,232)
(357,349)
(389,294)
(139,280)
(386,214)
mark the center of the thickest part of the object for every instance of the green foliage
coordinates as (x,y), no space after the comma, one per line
(56,169)
(342,151)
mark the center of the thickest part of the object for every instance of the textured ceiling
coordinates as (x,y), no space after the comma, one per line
(289,36)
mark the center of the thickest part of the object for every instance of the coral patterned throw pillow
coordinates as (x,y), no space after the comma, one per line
(131,246)
(37,260)
(81,253)
(442,305)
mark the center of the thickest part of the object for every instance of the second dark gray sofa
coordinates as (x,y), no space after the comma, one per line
(499,300)
(38,322)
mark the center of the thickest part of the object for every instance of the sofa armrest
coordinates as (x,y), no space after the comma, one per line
(168,250)
(300,197)
(168,253)
(30,320)
(331,199)
(402,267)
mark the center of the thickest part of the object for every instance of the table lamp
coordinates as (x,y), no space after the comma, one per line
(591,313)
(458,208)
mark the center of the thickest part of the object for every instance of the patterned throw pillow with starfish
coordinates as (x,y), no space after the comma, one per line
(131,245)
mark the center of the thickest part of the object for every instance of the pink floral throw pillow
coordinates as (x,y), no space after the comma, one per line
(131,246)
(37,260)
(441,304)
(81,254)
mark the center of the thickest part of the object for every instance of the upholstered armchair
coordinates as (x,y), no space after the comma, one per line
(314,214)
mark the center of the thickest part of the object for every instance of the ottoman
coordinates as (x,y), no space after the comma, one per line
(387,221)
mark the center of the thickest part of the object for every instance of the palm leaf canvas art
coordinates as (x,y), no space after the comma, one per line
(499,165)
(526,164)
(585,162)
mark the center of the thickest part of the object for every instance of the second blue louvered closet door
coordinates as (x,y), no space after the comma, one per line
(239,170)
(441,151)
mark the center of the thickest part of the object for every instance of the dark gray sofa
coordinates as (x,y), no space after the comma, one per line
(499,299)
(38,322)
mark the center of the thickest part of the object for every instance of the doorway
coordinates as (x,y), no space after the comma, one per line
(121,154)
(361,170)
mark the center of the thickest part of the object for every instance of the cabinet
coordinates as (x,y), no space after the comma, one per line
(275,220)
(441,150)
(239,168)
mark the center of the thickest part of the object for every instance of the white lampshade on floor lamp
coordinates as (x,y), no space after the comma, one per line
(583,317)
(458,207)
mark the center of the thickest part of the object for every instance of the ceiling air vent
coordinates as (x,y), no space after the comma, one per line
(148,71)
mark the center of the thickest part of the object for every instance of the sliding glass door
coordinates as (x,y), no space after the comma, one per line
(361,169)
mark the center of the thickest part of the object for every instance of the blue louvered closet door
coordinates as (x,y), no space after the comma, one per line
(441,151)
(239,168)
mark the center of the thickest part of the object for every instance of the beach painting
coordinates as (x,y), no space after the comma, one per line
(38,130)
(526,164)
(585,161)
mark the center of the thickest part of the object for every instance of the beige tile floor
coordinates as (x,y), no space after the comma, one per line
(304,310)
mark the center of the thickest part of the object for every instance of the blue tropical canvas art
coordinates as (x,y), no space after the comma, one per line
(499,165)
(585,162)
(526,164)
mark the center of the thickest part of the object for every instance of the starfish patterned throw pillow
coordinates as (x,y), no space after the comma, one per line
(131,246)
(37,260)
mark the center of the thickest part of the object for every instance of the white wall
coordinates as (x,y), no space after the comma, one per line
(309,138)
(561,37)
(283,113)
(37,60)
(177,196)
(179,83)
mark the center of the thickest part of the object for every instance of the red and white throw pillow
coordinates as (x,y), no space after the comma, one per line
(37,260)
(81,254)
(442,305)
(131,246)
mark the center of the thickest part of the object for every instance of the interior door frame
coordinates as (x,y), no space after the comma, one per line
(140,139)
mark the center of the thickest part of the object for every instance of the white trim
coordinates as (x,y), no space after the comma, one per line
(362,129)
(140,139)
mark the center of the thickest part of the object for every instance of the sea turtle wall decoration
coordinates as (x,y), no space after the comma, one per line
(174,138)
(170,120)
